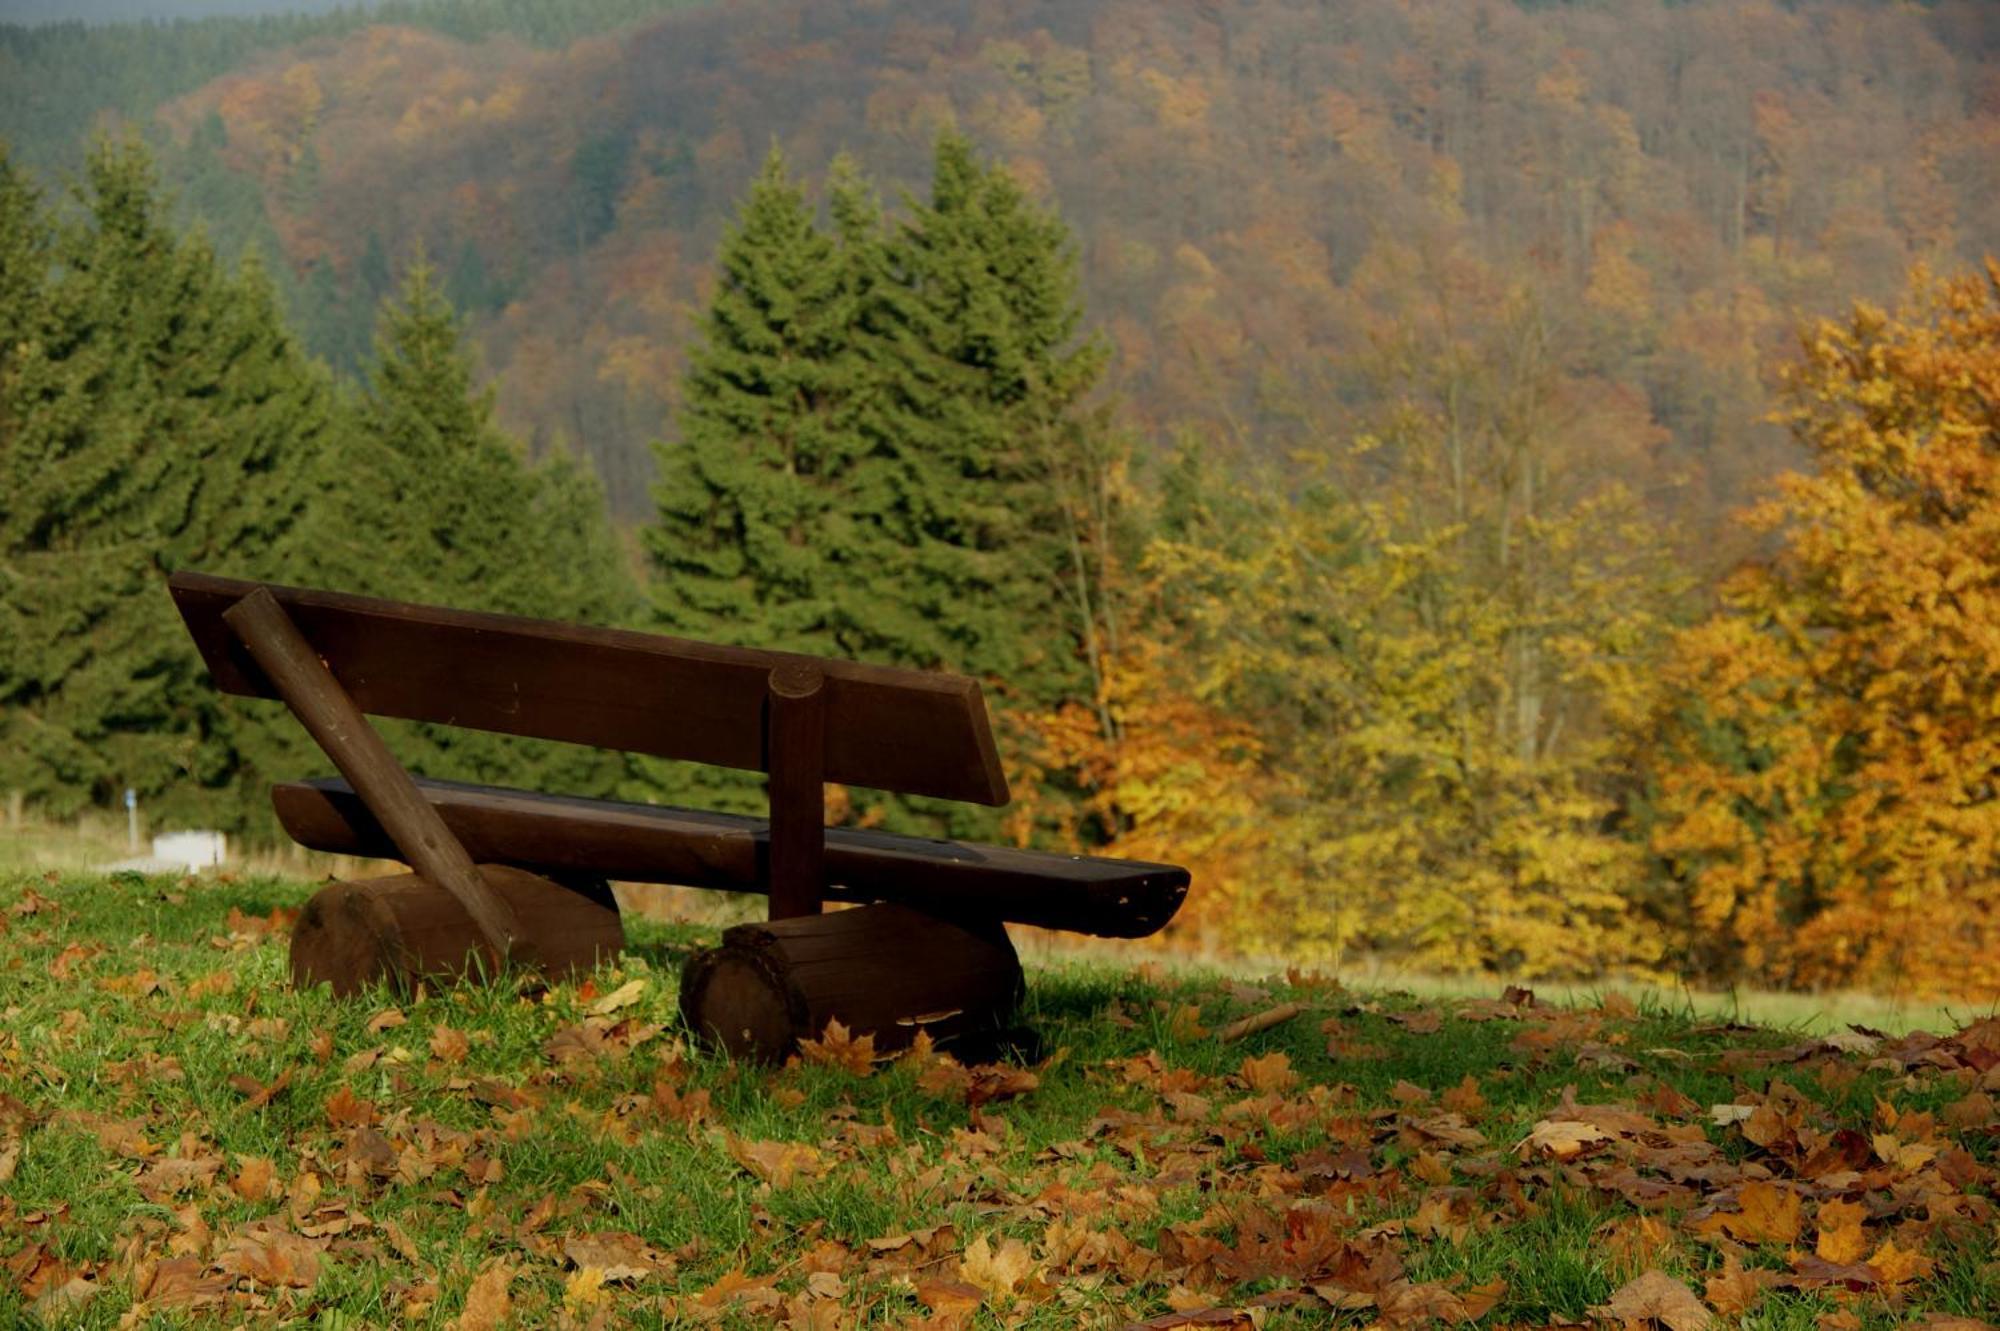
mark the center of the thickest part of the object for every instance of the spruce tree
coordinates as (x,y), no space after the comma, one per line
(434,502)
(752,527)
(988,378)
(157,421)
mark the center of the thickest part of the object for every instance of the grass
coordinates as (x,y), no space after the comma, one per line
(426,1160)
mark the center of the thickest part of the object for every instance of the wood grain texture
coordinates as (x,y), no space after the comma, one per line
(912,731)
(883,970)
(643,843)
(402,929)
(315,697)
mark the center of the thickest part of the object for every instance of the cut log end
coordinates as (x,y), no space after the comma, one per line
(404,929)
(882,970)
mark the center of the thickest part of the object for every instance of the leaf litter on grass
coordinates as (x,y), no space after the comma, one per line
(179,1139)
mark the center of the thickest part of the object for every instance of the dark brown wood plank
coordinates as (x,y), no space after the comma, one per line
(797,763)
(913,731)
(422,840)
(644,843)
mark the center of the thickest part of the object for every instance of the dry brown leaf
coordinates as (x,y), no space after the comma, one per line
(837,1048)
(950,1297)
(386,1020)
(271,1257)
(1841,1238)
(617,1255)
(487,1302)
(624,996)
(1565,1139)
(449,1045)
(1272,1072)
(1656,1298)
(1735,1290)
(1262,1021)
(1000,1271)
(776,1163)
(1895,1266)
(345,1109)
(256,1179)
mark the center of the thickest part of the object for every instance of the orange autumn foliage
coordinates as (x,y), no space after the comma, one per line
(1827,780)
(1175,779)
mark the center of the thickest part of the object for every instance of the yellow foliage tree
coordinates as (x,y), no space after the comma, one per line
(1402,814)
(1827,777)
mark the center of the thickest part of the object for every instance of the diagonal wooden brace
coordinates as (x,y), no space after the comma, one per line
(322,706)
(795,757)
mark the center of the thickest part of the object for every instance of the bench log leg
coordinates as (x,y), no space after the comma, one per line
(402,929)
(880,970)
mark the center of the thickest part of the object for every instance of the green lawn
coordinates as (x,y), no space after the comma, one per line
(185,1141)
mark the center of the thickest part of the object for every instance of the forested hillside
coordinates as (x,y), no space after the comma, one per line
(1323,427)
(1278,204)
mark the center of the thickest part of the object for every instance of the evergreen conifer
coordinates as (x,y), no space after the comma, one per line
(158,419)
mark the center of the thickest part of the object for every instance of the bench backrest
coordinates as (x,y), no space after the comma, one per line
(911,731)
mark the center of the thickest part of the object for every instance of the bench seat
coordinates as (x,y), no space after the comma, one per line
(564,835)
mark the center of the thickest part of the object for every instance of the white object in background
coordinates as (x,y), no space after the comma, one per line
(191,850)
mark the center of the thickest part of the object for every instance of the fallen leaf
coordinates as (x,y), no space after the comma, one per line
(271,1257)
(624,996)
(1840,1234)
(1656,1297)
(996,1271)
(449,1045)
(1734,1290)
(618,1255)
(1564,1139)
(1262,1021)
(776,1163)
(1272,1072)
(487,1302)
(837,1048)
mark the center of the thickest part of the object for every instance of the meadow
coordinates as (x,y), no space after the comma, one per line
(186,1141)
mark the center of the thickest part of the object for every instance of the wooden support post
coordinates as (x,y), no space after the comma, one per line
(796,761)
(339,728)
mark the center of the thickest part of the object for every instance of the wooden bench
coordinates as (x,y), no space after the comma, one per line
(508,875)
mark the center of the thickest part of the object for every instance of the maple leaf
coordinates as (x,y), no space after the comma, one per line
(271,1257)
(256,1179)
(1734,1290)
(344,1109)
(386,1020)
(449,1045)
(997,1272)
(988,1082)
(1564,1139)
(1767,1213)
(1271,1073)
(584,1289)
(618,1256)
(487,1301)
(776,1163)
(953,1302)
(837,1048)
(1656,1297)
(1896,1266)
(1841,1239)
